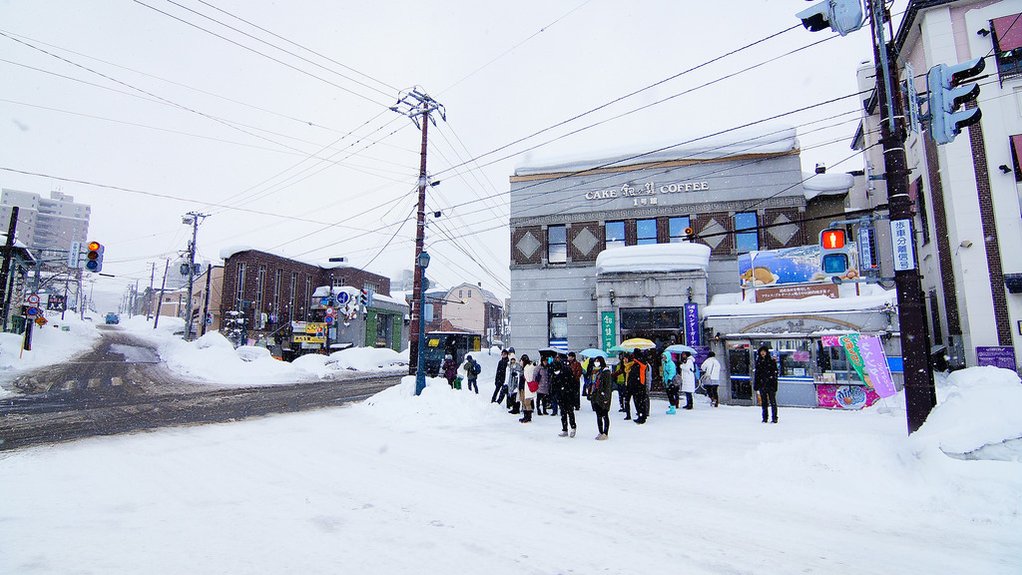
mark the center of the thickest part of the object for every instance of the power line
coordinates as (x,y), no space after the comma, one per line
(345,66)
(253,50)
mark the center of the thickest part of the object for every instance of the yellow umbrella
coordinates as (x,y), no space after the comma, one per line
(637,343)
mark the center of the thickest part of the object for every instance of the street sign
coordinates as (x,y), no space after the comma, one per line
(325,301)
(330,312)
(32,311)
(329,319)
(33,299)
(55,303)
(74,255)
(904,245)
(40,321)
(343,297)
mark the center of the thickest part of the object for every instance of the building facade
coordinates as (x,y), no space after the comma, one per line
(732,196)
(469,307)
(968,208)
(46,223)
(273,291)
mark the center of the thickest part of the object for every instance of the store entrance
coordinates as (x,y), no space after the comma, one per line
(662,338)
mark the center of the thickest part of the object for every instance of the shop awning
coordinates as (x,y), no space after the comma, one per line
(1008,31)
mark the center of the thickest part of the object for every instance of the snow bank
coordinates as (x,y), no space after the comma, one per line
(369,358)
(51,344)
(678,257)
(439,405)
(978,408)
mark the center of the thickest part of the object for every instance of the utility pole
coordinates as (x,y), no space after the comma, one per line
(192,218)
(5,268)
(163,287)
(419,106)
(920,395)
(149,294)
(205,302)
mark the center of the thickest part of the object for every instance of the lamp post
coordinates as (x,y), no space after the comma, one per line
(420,369)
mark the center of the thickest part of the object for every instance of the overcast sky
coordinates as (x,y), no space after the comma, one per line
(220,124)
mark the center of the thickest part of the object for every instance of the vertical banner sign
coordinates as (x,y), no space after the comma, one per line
(865,248)
(608,329)
(904,245)
(866,355)
(692,324)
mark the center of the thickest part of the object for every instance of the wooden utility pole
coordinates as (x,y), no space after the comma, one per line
(419,106)
(163,287)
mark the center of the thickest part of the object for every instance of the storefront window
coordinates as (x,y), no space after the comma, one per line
(795,356)
(746,241)
(834,366)
(615,232)
(557,245)
(645,232)
(557,320)
(677,229)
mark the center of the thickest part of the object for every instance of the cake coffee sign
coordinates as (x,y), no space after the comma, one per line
(646,195)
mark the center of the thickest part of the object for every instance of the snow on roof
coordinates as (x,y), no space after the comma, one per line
(391,300)
(231,250)
(731,304)
(826,184)
(677,257)
(775,140)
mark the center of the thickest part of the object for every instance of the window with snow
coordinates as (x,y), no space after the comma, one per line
(645,232)
(746,234)
(615,235)
(557,245)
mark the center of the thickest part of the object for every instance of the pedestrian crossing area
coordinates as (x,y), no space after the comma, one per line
(91,384)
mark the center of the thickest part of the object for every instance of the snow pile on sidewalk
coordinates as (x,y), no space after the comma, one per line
(979,412)
(50,345)
(439,405)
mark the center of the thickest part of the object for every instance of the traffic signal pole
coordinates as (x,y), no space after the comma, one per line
(920,395)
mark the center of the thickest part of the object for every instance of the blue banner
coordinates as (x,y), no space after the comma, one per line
(692,324)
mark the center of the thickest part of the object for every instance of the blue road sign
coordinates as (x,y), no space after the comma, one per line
(343,297)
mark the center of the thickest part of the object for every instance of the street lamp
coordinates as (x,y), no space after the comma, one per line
(420,369)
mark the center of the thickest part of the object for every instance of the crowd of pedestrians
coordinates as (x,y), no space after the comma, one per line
(554,384)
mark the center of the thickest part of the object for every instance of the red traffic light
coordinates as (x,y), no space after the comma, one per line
(832,239)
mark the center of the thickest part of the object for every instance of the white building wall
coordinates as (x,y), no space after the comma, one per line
(533,288)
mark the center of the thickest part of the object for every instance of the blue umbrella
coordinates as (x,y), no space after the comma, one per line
(678,348)
(593,352)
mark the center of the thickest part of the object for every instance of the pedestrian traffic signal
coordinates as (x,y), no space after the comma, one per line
(94,257)
(834,258)
(946,94)
(363,297)
(841,16)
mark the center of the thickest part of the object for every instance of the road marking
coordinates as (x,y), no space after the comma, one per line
(115,381)
(69,385)
(94,383)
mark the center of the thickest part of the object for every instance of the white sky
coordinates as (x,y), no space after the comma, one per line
(588,53)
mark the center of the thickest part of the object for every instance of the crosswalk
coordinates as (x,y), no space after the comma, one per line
(95,383)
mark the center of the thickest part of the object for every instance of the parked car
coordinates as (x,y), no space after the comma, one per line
(112,318)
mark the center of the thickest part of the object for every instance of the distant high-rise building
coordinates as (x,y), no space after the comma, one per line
(46,223)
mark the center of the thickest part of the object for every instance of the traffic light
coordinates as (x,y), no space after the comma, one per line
(946,94)
(841,16)
(833,252)
(363,297)
(94,257)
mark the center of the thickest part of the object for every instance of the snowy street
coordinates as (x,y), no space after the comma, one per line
(449,483)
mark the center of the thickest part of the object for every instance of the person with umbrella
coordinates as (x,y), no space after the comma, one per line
(565,393)
(688,377)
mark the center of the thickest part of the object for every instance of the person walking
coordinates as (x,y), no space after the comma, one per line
(450,369)
(543,378)
(687,369)
(514,382)
(529,388)
(671,380)
(620,376)
(472,369)
(766,382)
(646,381)
(499,378)
(600,395)
(577,372)
(564,392)
(711,378)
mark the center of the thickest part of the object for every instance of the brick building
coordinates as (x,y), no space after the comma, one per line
(273,291)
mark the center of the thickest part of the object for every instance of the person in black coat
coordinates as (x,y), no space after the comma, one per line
(766,382)
(499,377)
(562,389)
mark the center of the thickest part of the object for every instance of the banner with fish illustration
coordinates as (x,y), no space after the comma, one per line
(787,266)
